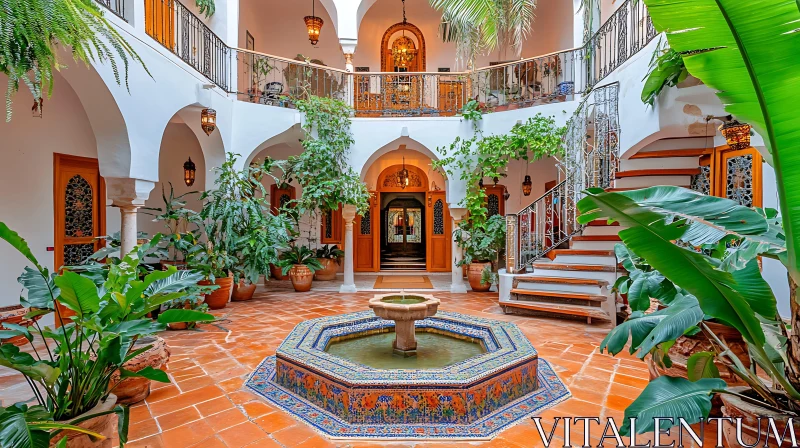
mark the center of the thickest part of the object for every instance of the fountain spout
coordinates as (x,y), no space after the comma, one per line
(404,310)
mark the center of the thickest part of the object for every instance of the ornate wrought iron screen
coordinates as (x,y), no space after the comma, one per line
(115,6)
(589,159)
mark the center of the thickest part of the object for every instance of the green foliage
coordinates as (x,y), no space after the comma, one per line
(322,169)
(299,255)
(705,249)
(731,46)
(182,224)
(488,277)
(641,281)
(331,252)
(206,7)
(82,355)
(243,236)
(487,156)
(666,70)
(32,30)
(481,243)
(23,426)
(478,27)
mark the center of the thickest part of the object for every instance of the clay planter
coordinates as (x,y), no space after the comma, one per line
(242,292)
(15,314)
(328,271)
(276,272)
(179,265)
(218,299)
(735,407)
(105,425)
(178,326)
(134,390)
(474,276)
(301,277)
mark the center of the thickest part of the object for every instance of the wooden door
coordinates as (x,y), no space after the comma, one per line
(495,203)
(278,197)
(79,199)
(365,240)
(159,21)
(331,227)
(438,233)
(738,176)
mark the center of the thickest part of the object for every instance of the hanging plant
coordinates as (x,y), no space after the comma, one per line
(30,31)
(322,169)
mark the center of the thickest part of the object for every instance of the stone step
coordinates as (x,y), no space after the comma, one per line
(637,182)
(667,153)
(561,295)
(595,272)
(552,308)
(659,163)
(658,172)
(584,256)
(561,284)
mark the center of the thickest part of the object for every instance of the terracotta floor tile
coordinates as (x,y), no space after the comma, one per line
(163,393)
(618,403)
(242,397)
(275,422)
(264,443)
(185,400)
(214,406)
(255,409)
(241,435)
(211,442)
(317,441)
(187,435)
(149,442)
(178,418)
(630,381)
(225,419)
(140,412)
(142,429)
(294,435)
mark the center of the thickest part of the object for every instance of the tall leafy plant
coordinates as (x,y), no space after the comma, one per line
(668,227)
(742,50)
(74,372)
(31,32)
(322,170)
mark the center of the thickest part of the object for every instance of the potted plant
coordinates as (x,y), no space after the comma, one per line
(182,225)
(213,263)
(300,263)
(328,257)
(196,303)
(710,255)
(72,379)
(482,244)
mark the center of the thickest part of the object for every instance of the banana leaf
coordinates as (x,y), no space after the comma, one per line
(747,51)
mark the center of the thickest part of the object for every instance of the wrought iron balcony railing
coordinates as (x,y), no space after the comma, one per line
(186,36)
(115,6)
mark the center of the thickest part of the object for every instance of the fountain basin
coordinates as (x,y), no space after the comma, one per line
(404,310)
(461,393)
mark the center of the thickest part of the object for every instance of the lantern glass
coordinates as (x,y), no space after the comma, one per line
(208,120)
(313,25)
(737,135)
(189,170)
(527,185)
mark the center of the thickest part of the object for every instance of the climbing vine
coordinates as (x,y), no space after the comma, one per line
(488,156)
(322,169)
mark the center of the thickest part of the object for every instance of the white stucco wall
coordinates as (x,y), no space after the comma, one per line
(26,175)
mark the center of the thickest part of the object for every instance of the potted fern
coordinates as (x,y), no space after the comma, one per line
(482,246)
(300,263)
(328,257)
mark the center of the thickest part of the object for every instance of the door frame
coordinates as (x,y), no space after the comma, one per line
(64,160)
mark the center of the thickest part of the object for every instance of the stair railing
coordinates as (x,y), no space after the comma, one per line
(589,159)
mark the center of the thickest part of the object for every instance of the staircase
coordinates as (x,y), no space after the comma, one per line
(567,270)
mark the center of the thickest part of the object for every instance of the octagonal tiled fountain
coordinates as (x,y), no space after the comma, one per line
(468,377)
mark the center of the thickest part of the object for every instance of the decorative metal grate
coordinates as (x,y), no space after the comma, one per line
(115,6)
(590,159)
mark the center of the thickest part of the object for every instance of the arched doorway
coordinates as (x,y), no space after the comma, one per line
(407,226)
(409,41)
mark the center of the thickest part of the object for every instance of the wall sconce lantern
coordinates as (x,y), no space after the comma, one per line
(506,194)
(527,185)
(189,169)
(402,176)
(313,25)
(38,108)
(736,134)
(208,120)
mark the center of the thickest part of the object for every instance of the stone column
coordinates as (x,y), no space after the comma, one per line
(348,214)
(128,195)
(457,286)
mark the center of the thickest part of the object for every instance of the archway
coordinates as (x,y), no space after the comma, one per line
(395,37)
(407,226)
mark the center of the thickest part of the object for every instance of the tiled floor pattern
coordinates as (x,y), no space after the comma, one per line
(207,407)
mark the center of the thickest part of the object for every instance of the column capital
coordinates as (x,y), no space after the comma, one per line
(349,213)
(128,193)
(458,213)
(348,45)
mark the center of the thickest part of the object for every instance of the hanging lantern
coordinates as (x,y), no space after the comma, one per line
(38,107)
(506,194)
(208,120)
(527,185)
(402,176)
(403,50)
(313,25)
(736,134)
(189,170)
(480,183)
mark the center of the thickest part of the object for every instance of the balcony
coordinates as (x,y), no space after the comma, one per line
(274,81)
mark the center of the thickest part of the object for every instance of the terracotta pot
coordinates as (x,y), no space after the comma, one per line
(134,390)
(328,271)
(301,277)
(105,425)
(242,292)
(180,265)
(218,299)
(276,272)
(15,314)
(753,416)
(474,272)
(178,326)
